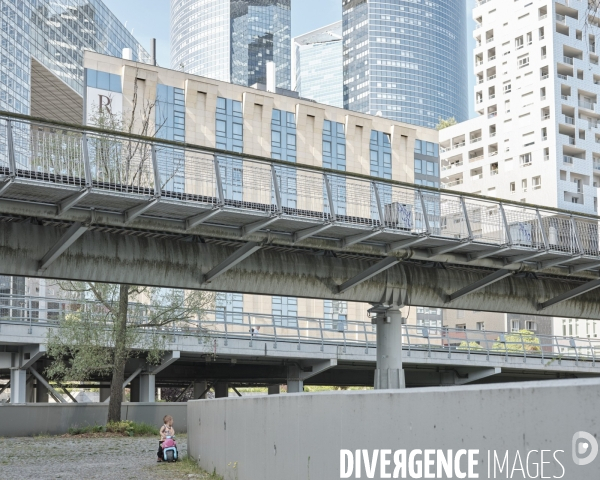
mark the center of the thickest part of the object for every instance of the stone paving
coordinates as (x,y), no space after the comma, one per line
(86,458)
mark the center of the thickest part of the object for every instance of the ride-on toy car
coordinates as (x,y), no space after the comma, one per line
(169,446)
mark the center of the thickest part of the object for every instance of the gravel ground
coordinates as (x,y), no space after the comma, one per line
(86,458)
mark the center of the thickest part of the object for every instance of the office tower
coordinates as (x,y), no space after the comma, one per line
(318,71)
(536,133)
(41,57)
(406,60)
(232,40)
(41,48)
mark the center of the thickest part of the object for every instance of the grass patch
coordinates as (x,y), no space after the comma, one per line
(125,428)
(188,466)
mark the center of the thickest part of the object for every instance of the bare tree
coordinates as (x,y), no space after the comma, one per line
(126,318)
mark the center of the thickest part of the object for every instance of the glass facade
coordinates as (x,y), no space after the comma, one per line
(230,307)
(283,147)
(427,164)
(231,40)
(55,34)
(335,313)
(285,311)
(230,136)
(406,60)
(319,67)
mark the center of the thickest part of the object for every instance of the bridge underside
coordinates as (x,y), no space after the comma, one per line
(39,248)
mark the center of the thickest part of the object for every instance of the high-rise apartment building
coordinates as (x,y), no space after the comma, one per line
(535,138)
(232,40)
(406,60)
(536,135)
(42,41)
(318,71)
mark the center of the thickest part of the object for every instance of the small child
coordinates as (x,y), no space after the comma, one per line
(166,430)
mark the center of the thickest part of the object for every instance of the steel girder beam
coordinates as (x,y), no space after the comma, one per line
(484,282)
(168,360)
(392,247)
(239,255)
(70,236)
(59,398)
(73,200)
(309,232)
(361,237)
(470,376)
(586,287)
(201,218)
(258,225)
(556,262)
(133,213)
(489,253)
(434,252)
(373,270)
(582,268)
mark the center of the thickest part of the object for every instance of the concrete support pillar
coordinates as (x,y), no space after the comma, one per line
(389,373)
(147,385)
(295,382)
(18,386)
(134,390)
(274,389)
(221,390)
(104,393)
(200,390)
(41,393)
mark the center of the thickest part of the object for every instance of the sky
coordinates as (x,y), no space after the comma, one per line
(150,19)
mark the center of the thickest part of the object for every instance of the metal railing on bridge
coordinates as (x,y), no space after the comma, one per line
(304,331)
(88,168)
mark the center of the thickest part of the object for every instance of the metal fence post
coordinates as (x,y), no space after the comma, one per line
(523,346)
(425,216)
(157,185)
(225,325)
(321,330)
(12,162)
(250,329)
(558,350)
(407,338)
(298,329)
(274,331)
(87,169)
(277,189)
(218,179)
(366,338)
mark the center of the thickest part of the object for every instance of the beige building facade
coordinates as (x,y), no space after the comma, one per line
(203,109)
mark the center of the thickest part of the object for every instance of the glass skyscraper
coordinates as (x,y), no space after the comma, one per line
(406,60)
(318,65)
(54,34)
(232,40)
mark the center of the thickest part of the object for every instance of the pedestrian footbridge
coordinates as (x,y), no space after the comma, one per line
(86,204)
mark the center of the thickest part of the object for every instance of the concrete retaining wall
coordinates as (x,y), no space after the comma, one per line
(56,419)
(299,436)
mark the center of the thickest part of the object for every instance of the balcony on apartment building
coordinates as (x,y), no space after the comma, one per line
(476,155)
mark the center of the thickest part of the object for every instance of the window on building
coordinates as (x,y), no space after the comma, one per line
(460,314)
(512,187)
(507,88)
(461,326)
(285,311)
(536,182)
(514,326)
(480,326)
(523,62)
(524,185)
(525,159)
(334,157)
(519,42)
(229,307)
(335,313)
(230,136)
(531,326)
(529,38)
